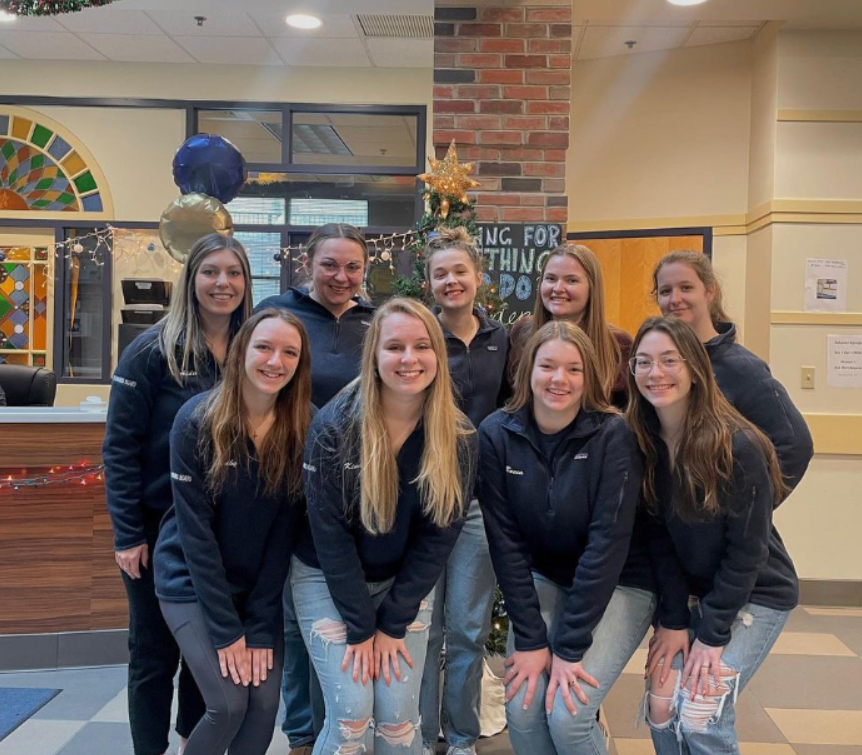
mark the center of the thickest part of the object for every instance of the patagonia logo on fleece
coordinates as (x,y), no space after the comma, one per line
(181,477)
(491,347)
(309,467)
(509,470)
(580,456)
(125,381)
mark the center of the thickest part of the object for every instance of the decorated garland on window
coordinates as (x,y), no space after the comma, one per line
(48,7)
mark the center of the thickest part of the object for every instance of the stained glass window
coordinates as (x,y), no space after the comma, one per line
(23,305)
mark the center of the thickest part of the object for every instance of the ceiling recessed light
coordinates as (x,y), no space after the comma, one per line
(6,17)
(686,2)
(303,21)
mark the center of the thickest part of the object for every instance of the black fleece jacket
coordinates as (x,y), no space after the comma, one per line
(143,403)
(336,342)
(230,552)
(747,383)
(479,371)
(569,519)
(414,551)
(727,561)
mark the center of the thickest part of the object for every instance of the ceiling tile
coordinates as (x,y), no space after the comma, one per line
(33,23)
(35,45)
(757,24)
(334,25)
(638,22)
(239,50)
(138,48)
(7,54)
(322,52)
(711,35)
(606,41)
(401,53)
(109,20)
(219,23)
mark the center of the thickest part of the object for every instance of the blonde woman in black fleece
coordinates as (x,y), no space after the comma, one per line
(389,468)
(158,372)
(711,479)
(225,544)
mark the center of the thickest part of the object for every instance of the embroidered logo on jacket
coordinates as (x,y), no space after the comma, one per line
(230,464)
(491,347)
(309,467)
(125,381)
(509,470)
(581,456)
(181,477)
(351,465)
(189,374)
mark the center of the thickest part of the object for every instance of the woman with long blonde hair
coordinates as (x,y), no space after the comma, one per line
(711,481)
(158,372)
(224,546)
(560,476)
(571,288)
(389,467)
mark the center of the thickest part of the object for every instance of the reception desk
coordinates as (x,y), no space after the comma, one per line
(62,601)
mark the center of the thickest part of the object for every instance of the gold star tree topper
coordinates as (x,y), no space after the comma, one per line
(449,178)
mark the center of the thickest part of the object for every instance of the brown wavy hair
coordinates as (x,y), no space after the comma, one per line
(702,267)
(224,429)
(594,397)
(703,465)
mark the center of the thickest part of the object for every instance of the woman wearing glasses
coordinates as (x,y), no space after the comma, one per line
(336,318)
(711,480)
(560,477)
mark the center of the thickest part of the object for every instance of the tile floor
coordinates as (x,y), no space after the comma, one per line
(806,699)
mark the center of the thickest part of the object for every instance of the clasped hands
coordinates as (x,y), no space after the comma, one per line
(377,658)
(243,664)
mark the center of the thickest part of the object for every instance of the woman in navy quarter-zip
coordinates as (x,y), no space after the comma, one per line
(711,480)
(477,349)
(560,478)
(224,546)
(336,318)
(158,372)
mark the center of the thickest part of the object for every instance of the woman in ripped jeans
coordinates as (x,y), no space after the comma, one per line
(711,481)
(389,468)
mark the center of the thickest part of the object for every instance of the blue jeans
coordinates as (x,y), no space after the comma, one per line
(463,599)
(300,690)
(359,717)
(615,639)
(708,726)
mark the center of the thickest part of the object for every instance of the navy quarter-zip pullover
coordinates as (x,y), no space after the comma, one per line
(335,342)
(747,383)
(479,371)
(727,561)
(229,552)
(414,551)
(569,519)
(144,400)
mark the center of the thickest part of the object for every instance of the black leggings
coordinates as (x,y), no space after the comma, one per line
(239,719)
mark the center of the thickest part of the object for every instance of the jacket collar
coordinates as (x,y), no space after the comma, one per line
(726,336)
(304,297)
(486,325)
(521,422)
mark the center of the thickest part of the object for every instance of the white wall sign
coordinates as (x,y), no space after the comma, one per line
(844,362)
(825,285)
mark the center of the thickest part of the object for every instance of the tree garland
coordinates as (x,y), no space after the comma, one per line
(48,7)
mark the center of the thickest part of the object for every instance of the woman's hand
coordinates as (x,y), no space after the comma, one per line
(567,676)
(386,650)
(363,660)
(261,663)
(234,660)
(132,560)
(663,646)
(703,660)
(525,666)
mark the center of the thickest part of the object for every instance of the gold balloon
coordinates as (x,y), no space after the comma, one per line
(449,178)
(188,218)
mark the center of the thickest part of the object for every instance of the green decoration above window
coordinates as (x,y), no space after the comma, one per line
(48,7)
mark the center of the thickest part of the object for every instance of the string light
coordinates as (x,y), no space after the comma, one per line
(83,474)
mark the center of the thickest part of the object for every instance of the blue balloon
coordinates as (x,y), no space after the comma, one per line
(211,165)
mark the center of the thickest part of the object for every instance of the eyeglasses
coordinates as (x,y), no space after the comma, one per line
(352,269)
(668,365)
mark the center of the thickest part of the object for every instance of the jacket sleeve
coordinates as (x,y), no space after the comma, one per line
(509,552)
(330,530)
(765,403)
(608,537)
(135,386)
(195,512)
(747,532)
(425,558)
(672,612)
(264,605)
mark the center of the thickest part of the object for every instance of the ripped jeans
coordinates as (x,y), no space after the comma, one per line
(707,725)
(370,718)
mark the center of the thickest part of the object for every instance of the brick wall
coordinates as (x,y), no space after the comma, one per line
(502,91)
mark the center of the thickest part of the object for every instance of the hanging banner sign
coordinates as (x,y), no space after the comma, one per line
(515,253)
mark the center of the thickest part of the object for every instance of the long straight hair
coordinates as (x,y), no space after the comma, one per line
(703,464)
(182,327)
(443,466)
(594,397)
(593,321)
(224,428)
(702,267)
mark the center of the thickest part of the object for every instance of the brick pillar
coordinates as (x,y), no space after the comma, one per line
(502,90)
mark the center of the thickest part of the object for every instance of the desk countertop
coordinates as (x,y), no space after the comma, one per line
(47,415)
